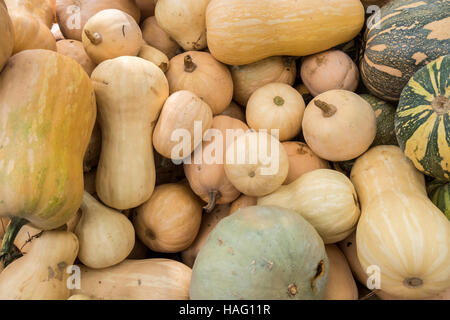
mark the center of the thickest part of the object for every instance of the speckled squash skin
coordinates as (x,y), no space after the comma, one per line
(410,34)
(422,121)
(240,261)
(48,111)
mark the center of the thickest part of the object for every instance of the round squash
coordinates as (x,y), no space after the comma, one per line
(209,221)
(147,8)
(276,106)
(184,21)
(301,160)
(72,15)
(256,163)
(6,35)
(422,120)
(329,70)
(200,73)
(240,261)
(242,202)
(156,37)
(182,113)
(42,10)
(248,78)
(408,35)
(154,55)
(110,34)
(439,194)
(130,94)
(325,198)
(75,50)
(339,125)
(169,221)
(234,111)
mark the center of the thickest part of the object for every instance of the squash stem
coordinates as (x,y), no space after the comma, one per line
(213,195)
(441,105)
(279,101)
(6,253)
(95,38)
(328,109)
(189,65)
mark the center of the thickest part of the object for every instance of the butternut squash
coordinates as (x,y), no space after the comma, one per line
(207,177)
(72,15)
(6,35)
(154,55)
(169,221)
(242,202)
(73,222)
(43,10)
(234,111)
(184,21)
(181,112)
(148,279)
(325,198)
(147,8)
(126,171)
(25,238)
(301,160)
(276,106)
(106,236)
(256,163)
(242,32)
(41,273)
(75,50)
(156,37)
(339,125)
(110,34)
(401,231)
(249,77)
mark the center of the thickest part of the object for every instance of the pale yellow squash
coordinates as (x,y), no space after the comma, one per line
(43,10)
(75,50)
(154,55)
(156,37)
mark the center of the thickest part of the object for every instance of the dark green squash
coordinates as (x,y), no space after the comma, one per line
(439,194)
(410,34)
(261,253)
(422,121)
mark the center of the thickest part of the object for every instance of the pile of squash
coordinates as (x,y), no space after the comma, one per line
(350,199)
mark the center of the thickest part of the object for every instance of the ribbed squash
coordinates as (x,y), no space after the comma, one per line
(422,121)
(410,34)
(6,35)
(440,195)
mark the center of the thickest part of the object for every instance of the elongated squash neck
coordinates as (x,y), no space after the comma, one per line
(88,201)
(441,105)
(328,109)
(95,38)
(189,65)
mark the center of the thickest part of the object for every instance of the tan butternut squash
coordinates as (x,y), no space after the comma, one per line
(147,8)
(43,10)
(72,15)
(25,238)
(184,21)
(207,177)
(106,236)
(156,37)
(242,32)
(6,35)
(126,171)
(339,125)
(110,34)
(276,106)
(249,77)
(401,231)
(148,279)
(200,73)
(179,116)
(242,202)
(154,55)
(256,163)
(209,221)
(301,160)
(169,221)
(41,273)
(325,198)
(234,111)
(75,50)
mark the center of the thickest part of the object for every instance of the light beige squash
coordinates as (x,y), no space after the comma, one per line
(276,106)
(242,202)
(105,235)
(200,73)
(234,111)
(325,198)
(75,50)
(301,160)
(248,78)
(329,70)
(154,55)
(156,37)
(339,125)
(175,130)
(184,21)
(79,297)
(6,35)
(148,279)
(130,94)
(110,34)
(209,221)
(25,238)
(169,221)
(43,10)
(256,163)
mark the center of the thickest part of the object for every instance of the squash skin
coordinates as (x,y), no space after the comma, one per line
(411,34)
(156,37)
(440,195)
(41,273)
(75,50)
(416,234)
(126,179)
(43,10)
(154,55)
(243,32)
(147,279)
(422,119)
(44,183)
(242,202)
(234,111)
(6,35)
(239,260)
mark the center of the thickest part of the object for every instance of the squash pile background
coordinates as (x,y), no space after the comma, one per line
(363,112)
